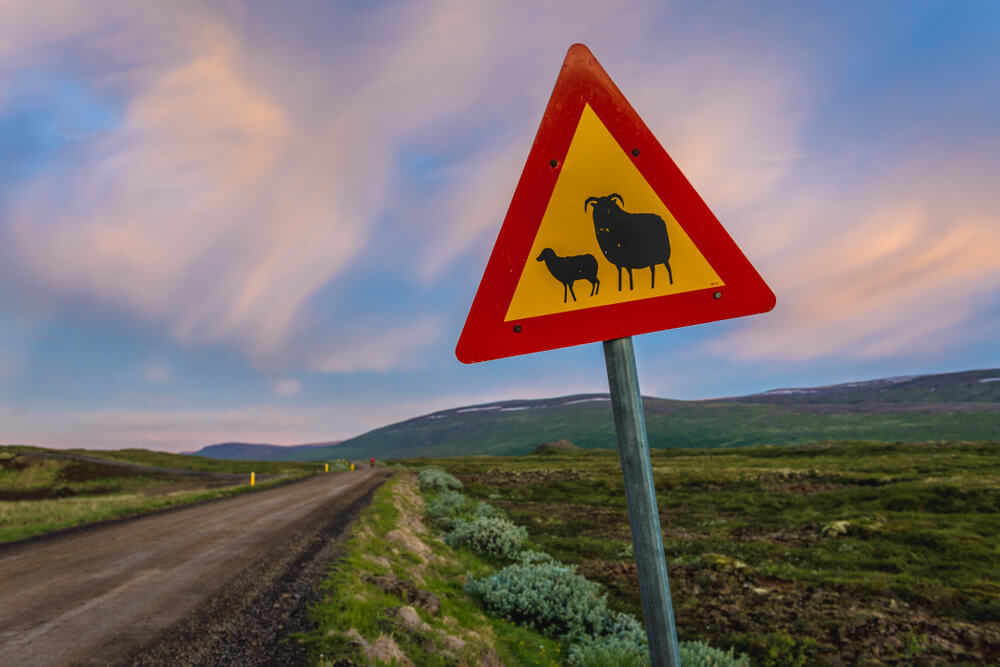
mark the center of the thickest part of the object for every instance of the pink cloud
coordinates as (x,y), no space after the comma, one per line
(252,170)
(185,429)
(286,387)
(378,348)
(905,268)
(156,372)
(203,210)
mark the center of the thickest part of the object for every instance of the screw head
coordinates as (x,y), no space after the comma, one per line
(553,163)
(517,328)
(717,295)
(635,152)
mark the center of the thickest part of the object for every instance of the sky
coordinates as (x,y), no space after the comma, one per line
(265,222)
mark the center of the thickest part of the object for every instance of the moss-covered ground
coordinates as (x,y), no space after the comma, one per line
(833,553)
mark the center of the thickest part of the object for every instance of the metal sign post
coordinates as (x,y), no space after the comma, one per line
(640,495)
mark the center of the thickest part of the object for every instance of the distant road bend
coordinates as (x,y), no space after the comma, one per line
(214,584)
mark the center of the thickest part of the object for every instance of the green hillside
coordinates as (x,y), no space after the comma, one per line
(243,451)
(953,406)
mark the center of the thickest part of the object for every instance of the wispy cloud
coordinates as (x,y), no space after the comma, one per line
(170,429)
(379,349)
(904,268)
(223,201)
(286,387)
(256,162)
(182,429)
(156,372)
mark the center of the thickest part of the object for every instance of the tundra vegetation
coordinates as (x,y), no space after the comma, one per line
(46,490)
(825,554)
(400,594)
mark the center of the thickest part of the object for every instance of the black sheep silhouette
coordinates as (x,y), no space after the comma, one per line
(568,270)
(630,240)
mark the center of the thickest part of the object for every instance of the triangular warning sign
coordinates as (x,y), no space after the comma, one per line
(604,237)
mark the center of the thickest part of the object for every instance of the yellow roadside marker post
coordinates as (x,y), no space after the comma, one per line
(352,466)
(252,480)
(327,468)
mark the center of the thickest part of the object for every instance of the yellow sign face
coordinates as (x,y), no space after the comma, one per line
(606,237)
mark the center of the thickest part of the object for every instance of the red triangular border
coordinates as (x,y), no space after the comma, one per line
(486,335)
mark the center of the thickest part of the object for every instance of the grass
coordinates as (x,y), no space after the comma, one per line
(869,552)
(197,463)
(687,424)
(390,539)
(23,519)
(43,490)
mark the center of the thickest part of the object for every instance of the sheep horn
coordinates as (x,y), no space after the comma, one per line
(587,203)
(618,197)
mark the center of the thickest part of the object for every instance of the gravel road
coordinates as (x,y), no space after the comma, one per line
(220,583)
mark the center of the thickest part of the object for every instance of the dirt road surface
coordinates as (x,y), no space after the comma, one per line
(220,583)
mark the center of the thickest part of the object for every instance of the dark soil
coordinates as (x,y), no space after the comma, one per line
(501,477)
(722,598)
(910,578)
(85,471)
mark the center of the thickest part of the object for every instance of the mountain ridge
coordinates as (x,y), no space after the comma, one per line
(243,451)
(963,405)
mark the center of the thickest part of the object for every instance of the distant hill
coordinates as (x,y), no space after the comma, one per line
(241,451)
(964,387)
(557,447)
(951,406)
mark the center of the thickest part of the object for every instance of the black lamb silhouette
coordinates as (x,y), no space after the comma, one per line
(630,240)
(568,270)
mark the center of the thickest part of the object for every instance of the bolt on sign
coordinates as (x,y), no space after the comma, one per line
(604,237)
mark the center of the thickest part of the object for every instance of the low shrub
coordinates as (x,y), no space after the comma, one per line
(551,598)
(489,536)
(336,466)
(435,479)
(703,655)
(448,503)
(487,511)
(548,597)
(623,644)
(449,508)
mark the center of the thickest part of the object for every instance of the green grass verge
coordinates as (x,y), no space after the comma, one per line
(390,539)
